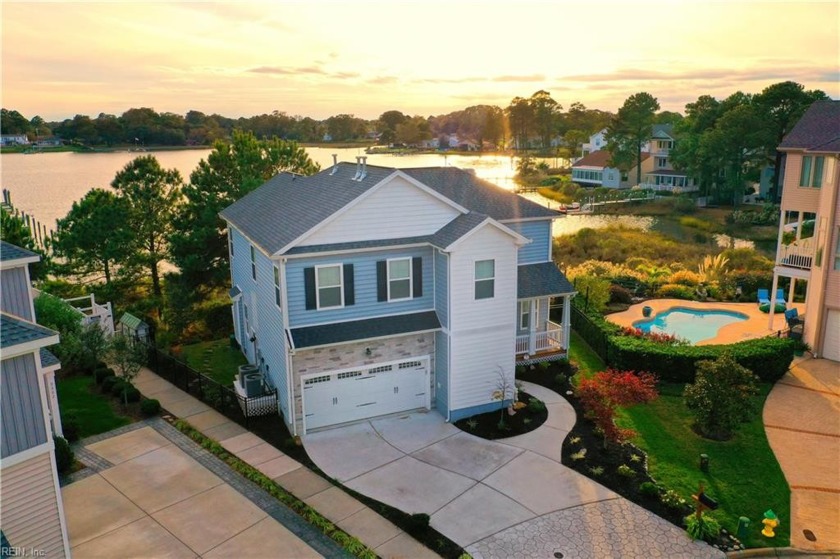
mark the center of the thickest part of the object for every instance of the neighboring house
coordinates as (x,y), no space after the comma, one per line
(47,142)
(363,291)
(811,210)
(594,170)
(14,140)
(597,142)
(30,498)
(664,176)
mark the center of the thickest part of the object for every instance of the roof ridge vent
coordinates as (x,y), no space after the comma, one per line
(335,164)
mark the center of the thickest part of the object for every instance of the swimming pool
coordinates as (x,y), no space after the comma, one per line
(689,324)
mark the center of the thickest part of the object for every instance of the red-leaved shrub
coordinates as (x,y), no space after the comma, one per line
(604,392)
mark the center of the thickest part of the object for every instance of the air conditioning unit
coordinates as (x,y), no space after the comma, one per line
(253,385)
(245,370)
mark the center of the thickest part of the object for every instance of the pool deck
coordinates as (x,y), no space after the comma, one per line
(754,327)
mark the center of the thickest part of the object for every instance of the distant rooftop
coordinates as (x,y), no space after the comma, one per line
(15,331)
(10,253)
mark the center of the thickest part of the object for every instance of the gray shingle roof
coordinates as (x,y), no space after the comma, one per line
(16,331)
(662,130)
(10,252)
(356,330)
(541,280)
(131,321)
(234,292)
(457,228)
(287,206)
(817,130)
(48,359)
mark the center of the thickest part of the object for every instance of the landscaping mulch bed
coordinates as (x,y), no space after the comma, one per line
(490,426)
(621,468)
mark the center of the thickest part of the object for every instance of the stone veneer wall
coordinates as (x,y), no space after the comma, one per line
(347,356)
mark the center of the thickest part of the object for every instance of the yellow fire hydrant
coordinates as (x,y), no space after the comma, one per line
(771,521)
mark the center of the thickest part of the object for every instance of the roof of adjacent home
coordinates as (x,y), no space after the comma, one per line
(601,158)
(817,130)
(662,131)
(301,203)
(10,253)
(541,280)
(48,359)
(15,331)
(370,328)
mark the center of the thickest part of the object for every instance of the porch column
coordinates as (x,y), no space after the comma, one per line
(52,403)
(790,291)
(534,320)
(567,320)
(773,300)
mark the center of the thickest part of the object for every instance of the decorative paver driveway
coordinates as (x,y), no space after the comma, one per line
(496,499)
(152,492)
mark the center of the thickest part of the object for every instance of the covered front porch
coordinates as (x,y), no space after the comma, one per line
(538,338)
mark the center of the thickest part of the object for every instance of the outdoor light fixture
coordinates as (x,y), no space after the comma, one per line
(367,351)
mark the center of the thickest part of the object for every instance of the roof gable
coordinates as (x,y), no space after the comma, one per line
(13,256)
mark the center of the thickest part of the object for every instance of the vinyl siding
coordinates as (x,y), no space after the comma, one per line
(14,293)
(540,234)
(396,209)
(441,379)
(795,197)
(364,272)
(482,331)
(22,411)
(29,502)
(442,288)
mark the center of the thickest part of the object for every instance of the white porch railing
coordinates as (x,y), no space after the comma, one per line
(667,187)
(799,254)
(550,339)
(93,312)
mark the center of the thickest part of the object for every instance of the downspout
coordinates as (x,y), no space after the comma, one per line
(289,385)
(832,204)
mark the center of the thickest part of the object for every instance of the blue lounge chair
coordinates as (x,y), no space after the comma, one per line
(763,297)
(793,319)
(780,297)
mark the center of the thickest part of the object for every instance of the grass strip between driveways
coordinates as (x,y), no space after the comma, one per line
(94,412)
(350,543)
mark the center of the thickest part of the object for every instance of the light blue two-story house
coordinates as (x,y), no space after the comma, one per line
(364,291)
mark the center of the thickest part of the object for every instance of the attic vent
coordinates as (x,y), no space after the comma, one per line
(358,168)
(364,168)
(335,164)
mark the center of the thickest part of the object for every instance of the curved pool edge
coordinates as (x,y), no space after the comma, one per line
(757,325)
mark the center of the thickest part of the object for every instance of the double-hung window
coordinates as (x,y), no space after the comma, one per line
(277,285)
(812,171)
(399,279)
(485,279)
(328,286)
(524,315)
(253,263)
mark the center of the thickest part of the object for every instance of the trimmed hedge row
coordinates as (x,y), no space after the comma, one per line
(769,358)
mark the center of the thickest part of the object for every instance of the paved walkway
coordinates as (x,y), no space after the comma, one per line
(756,325)
(358,520)
(149,491)
(802,421)
(510,498)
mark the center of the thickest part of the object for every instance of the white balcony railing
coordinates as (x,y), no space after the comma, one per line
(799,254)
(549,339)
(93,312)
(667,187)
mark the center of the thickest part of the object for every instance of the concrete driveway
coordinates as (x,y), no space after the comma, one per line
(152,498)
(496,499)
(802,422)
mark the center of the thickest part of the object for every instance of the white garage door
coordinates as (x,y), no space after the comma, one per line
(831,343)
(354,394)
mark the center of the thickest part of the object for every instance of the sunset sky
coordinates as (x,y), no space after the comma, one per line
(424,57)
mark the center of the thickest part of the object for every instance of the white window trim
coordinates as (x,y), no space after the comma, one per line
(277,293)
(525,309)
(230,241)
(410,278)
(812,172)
(340,286)
(476,280)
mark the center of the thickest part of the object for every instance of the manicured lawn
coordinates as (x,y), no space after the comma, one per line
(216,359)
(95,411)
(587,360)
(744,476)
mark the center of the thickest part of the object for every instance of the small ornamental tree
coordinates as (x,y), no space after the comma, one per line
(128,358)
(607,390)
(721,396)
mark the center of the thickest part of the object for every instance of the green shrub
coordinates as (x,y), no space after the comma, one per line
(536,406)
(704,528)
(625,471)
(99,375)
(419,521)
(560,379)
(150,407)
(70,426)
(672,500)
(118,386)
(130,395)
(620,295)
(675,291)
(64,456)
(649,489)
(108,383)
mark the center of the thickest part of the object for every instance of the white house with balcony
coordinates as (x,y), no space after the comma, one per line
(809,229)
(363,291)
(662,175)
